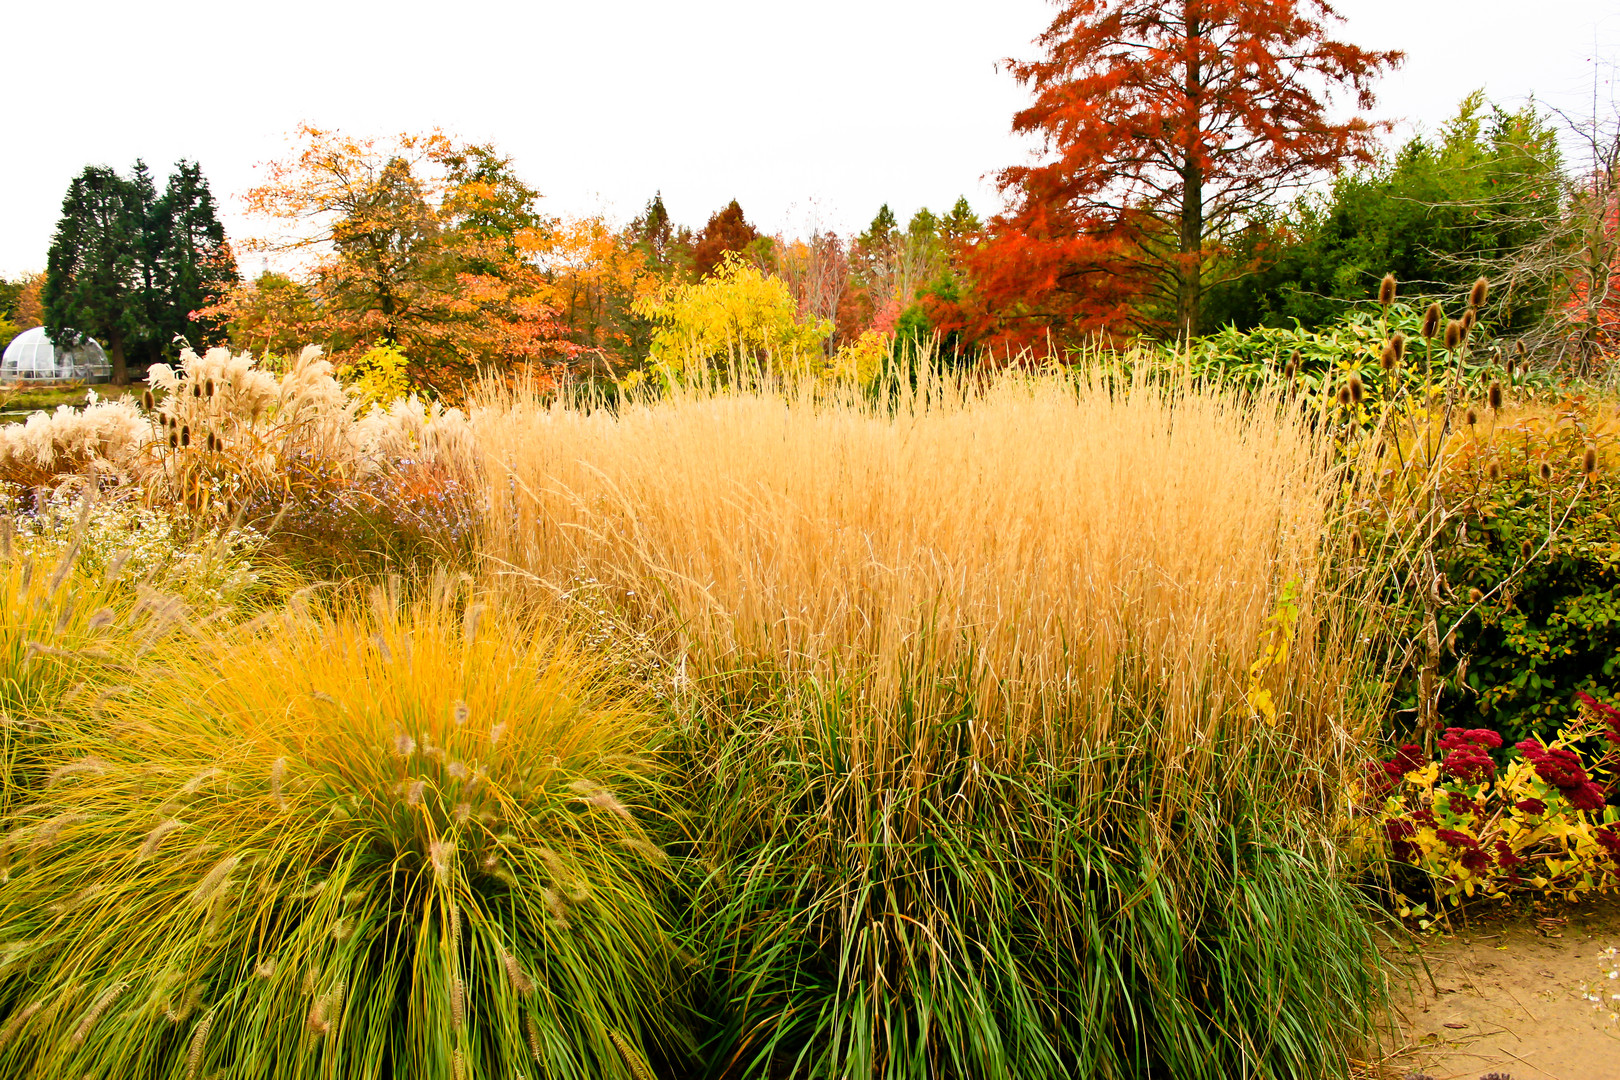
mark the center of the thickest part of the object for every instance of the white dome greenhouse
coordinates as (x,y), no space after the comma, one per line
(33,357)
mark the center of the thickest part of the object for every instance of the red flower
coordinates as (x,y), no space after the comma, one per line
(1453,838)
(1610,841)
(1469,764)
(1397,830)
(1476,859)
(1586,796)
(1474,739)
(1505,856)
(1531,806)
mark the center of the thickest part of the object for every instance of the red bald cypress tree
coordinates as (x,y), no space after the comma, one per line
(1168,124)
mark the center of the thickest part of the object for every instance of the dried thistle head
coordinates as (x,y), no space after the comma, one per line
(1546,471)
(1494,396)
(1589,461)
(1454,333)
(1477,295)
(1469,320)
(1398,340)
(1431,321)
(185,435)
(1386,290)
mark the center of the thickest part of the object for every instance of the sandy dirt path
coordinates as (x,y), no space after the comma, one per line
(1533,997)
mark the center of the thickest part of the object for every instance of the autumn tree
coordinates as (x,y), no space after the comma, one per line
(1167,123)
(727,230)
(416,242)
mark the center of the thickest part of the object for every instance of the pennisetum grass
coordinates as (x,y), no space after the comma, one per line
(319,921)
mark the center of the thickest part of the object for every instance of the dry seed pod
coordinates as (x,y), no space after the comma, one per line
(1589,462)
(1526,549)
(1398,340)
(1495,470)
(1495,396)
(1357,391)
(1431,321)
(147,400)
(185,435)
(1386,359)
(1386,290)
(208,388)
(1473,417)
(1469,319)
(1546,471)
(1454,333)
(1477,295)
(1344,395)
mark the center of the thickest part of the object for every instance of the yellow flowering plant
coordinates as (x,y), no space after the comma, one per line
(1476,827)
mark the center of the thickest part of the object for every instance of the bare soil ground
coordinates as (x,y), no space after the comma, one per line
(1528,995)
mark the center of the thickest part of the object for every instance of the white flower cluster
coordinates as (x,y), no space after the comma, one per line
(1605,993)
(120,536)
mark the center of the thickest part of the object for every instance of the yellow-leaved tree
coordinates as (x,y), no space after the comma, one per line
(737,316)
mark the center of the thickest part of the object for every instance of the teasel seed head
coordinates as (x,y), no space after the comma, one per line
(1546,471)
(1494,396)
(1473,417)
(1526,549)
(185,435)
(1431,321)
(1357,390)
(208,388)
(147,400)
(174,441)
(1469,320)
(1398,340)
(1344,395)
(196,391)
(1589,461)
(1386,359)
(1477,295)
(1454,333)
(1386,290)
(1495,470)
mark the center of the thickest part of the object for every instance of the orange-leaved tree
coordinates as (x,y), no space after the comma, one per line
(1168,124)
(416,241)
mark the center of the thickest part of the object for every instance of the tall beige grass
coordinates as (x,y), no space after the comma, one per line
(1080,556)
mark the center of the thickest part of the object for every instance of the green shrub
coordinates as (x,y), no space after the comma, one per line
(385,842)
(1548,622)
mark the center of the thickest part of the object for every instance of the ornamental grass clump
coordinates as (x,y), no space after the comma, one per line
(1011,713)
(370,841)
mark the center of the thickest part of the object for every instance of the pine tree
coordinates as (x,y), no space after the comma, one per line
(93,277)
(195,264)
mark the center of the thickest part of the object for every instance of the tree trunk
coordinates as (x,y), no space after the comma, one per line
(120,369)
(1190,248)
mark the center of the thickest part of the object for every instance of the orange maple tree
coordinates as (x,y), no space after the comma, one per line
(1168,124)
(415,241)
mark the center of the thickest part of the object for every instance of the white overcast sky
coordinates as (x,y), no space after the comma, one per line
(806,111)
